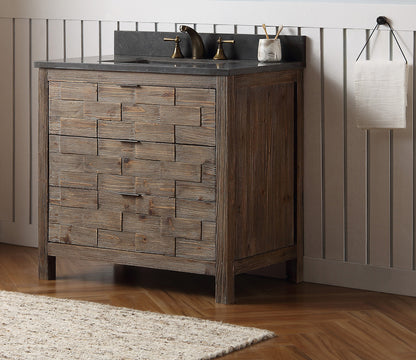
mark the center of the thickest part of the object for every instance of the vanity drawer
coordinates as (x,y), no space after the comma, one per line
(136,203)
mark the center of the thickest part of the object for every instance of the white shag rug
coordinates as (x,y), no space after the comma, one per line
(43,328)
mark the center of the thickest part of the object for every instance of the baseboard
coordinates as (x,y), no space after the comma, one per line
(18,234)
(367,277)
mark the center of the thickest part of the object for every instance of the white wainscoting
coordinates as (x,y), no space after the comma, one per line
(359,185)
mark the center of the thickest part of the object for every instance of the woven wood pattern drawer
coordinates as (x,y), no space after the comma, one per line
(133,168)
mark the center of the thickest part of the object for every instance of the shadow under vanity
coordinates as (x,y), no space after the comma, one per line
(193,166)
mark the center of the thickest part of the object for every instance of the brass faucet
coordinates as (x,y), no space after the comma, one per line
(197,44)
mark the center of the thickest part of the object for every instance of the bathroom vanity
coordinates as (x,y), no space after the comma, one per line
(183,165)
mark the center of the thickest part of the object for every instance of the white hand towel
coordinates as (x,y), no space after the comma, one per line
(380,89)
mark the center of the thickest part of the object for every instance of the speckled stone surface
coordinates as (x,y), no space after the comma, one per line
(169,66)
(146,52)
(148,43)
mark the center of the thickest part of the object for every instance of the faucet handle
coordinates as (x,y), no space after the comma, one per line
(177,53)
(220,51)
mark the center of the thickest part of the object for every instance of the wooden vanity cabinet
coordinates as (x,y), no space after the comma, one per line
(200,174)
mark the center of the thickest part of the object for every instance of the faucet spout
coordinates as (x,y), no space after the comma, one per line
(196,41)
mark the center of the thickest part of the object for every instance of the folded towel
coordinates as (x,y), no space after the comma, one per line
(380,89)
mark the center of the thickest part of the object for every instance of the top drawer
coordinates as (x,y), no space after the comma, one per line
(133,112)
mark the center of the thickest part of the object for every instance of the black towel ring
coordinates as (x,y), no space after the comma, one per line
(382,20)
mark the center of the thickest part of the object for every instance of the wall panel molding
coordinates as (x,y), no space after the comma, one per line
(358,276)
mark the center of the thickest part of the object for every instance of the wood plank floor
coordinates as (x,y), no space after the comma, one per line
(312,321)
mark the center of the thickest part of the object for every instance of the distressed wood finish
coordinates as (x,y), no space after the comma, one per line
(195,249)
(123,78)
(72,90)
(139,94)
(195,135)
(146,205)
(72,145)
(196,209)
(195,154)
(47,263)
(102,219)
(153,261)
(195,97)
(224,251)
(73,197)
(194,191)
(85,110)
(201,176)
(117,240)
(70,126)
(84,163)
(266,259)
(138,150)
(185,228)
(73,179)
(75,235)
(139,185)
(271,157)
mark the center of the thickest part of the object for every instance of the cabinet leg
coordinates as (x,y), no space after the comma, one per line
(225,289)
(294,270)
(47,268)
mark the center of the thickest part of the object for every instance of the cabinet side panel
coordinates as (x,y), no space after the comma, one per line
(263,147)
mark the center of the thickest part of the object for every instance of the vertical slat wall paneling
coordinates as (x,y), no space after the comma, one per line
(246,29)
(91,38)
(290,30)
(166,27)
(334,143)
(127,25)
(260,31)
(202,28)
(107,37)
(313,209)
(147,26)
(22,122)
(38,52)
(379,174)
(73,39)
(225,29)
(6,122)
(356,161)
(55,39)
(402,170)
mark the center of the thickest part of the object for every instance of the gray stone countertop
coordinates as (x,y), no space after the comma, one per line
(165,65)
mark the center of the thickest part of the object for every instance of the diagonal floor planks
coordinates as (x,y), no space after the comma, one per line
(312,321)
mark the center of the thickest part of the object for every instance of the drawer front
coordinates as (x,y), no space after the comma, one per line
(133,168)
